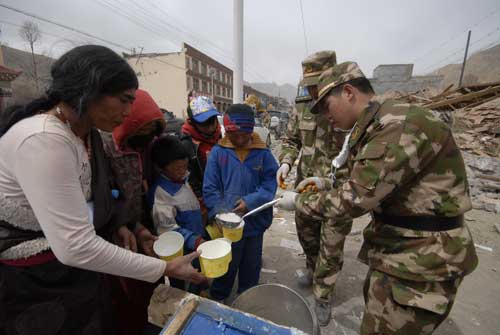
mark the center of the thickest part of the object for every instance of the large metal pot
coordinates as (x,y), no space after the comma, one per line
(279,304)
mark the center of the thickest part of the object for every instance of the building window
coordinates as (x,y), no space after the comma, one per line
(203,69)
(231,93)
(204,87)
(220,75)
(189,81)
(217,90)
(195,66)
(196,84)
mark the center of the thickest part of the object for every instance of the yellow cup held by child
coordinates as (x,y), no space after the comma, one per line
(234,234)
(215,257)
(213,231)
(169,245)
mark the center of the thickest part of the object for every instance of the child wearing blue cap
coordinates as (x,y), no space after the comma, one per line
(239,177)
(200,133)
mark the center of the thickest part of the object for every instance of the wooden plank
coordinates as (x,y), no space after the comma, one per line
(488,177)
(463,98)
(481,86)
(442,94)
(496,96)
(164,304)
(181,317)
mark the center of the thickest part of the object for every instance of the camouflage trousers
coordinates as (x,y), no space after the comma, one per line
(323,244)
(395,306)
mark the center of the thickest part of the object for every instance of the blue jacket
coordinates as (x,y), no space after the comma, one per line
(175,207)
(227,180)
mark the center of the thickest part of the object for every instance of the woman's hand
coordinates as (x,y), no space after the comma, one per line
(181,268)
(125,239)
(145,240)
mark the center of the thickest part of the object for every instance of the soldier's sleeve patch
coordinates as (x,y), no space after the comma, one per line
(303,94)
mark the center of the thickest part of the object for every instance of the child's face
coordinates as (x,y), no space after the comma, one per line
(239,139)
(176,170)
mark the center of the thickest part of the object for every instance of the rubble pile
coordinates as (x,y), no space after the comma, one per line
(484,181)
(476,116)
(477,129)
(472,111)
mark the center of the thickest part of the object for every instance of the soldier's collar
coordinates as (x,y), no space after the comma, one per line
(364,120)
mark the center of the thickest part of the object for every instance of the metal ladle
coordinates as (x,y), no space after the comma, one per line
(231,224)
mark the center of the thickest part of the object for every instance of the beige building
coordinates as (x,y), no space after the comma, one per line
(169,77)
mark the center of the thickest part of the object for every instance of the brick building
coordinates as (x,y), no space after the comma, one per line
(169,77)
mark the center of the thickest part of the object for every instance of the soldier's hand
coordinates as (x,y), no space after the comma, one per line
(287,201)
(314,184)
(281,175)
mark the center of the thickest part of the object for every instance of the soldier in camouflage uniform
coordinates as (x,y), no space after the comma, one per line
(312,137)
(406,169)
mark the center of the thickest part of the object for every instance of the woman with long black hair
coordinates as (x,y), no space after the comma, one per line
(58,206)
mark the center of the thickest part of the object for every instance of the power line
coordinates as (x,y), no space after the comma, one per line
(463,48)
(20,26)
(495,11)
(64,26)
(489,45)
(200,39)
(150,22)
(304,27)
(57,36)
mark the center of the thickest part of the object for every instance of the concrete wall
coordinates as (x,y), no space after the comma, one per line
(398,77)
(409,86)
(393,72)
(164,77)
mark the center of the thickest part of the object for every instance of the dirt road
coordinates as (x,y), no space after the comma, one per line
(476,309)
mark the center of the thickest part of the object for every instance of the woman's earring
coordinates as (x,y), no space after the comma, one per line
(60,113)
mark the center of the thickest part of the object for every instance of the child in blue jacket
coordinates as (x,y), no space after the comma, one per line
(173,204)
(241,176)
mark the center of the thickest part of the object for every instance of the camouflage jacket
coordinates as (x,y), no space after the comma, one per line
(313,137)
(403,162)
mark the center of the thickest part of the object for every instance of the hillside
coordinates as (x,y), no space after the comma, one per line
(286,91)
(481,67)
(24,86)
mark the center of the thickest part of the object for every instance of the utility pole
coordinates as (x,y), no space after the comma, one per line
(465,60)
(238,51)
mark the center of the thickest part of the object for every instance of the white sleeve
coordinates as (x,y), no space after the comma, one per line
(46,168)
(163,213)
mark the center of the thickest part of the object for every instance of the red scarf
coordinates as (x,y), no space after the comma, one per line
(204,144)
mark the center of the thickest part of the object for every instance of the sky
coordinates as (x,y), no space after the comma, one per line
(428,33)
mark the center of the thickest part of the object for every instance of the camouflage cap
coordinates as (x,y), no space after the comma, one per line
(315,64)
(333,77)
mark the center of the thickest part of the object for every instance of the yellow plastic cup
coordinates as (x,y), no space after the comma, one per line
(215,257)
(213,231)
(169,245)
(234,234)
